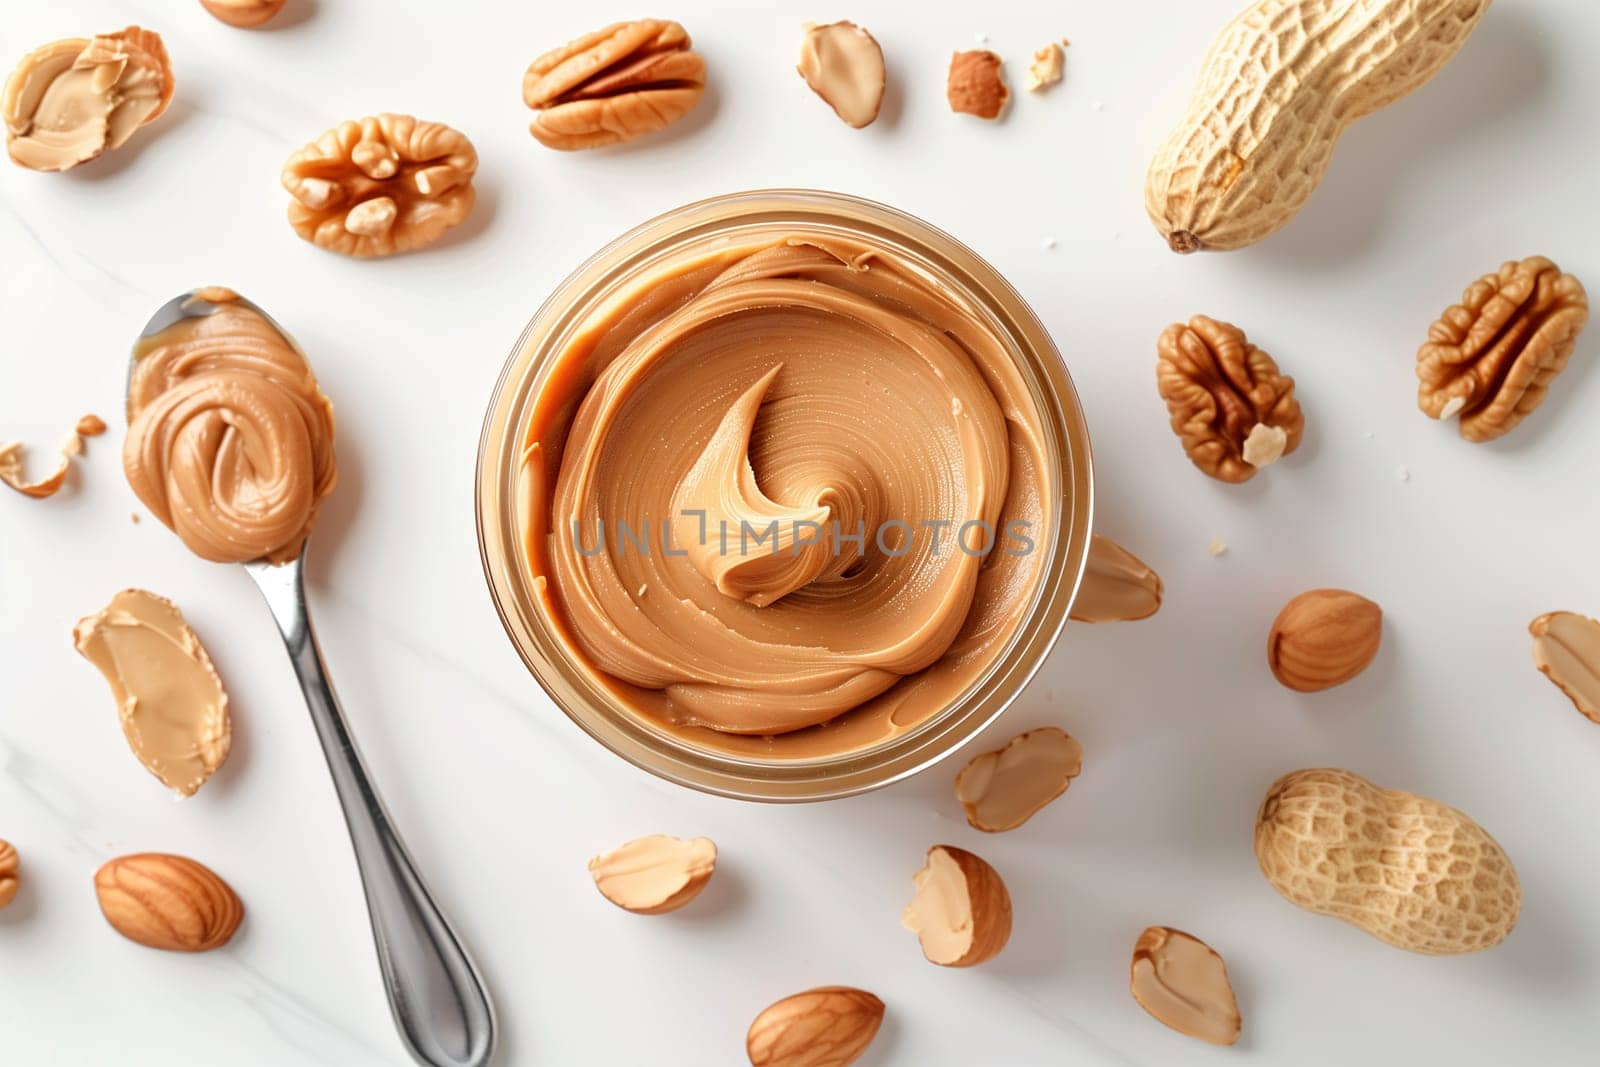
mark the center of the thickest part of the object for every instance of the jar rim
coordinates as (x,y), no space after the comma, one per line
(499,474)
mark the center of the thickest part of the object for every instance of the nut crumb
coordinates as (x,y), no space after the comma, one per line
(91,426)
(1218,546)
(1045,70)
(135,517)
(1264,445)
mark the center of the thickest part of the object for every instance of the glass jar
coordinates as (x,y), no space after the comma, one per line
(505,492)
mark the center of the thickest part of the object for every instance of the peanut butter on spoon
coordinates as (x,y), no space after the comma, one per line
(230,440)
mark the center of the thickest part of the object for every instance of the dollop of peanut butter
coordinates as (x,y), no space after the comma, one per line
(790,488)
(70,100)
(230,440)
(170,699)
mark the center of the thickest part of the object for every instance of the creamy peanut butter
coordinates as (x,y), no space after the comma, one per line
(170,699)
(787,498)
(230,440)
(1566,647)
(1183,982)
(69,101)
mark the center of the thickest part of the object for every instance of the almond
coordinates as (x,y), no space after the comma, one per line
(961,912)
(167,902)
(243,14)
(656,874)
(1001,790)
(1323,638)
(830,1026)
(9,872)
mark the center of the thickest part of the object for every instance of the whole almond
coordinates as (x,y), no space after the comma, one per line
(243,14)
(167,902)
(9,871)
(830,1026)
(1322,638)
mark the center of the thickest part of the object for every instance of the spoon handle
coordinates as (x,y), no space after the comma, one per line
(438,1000)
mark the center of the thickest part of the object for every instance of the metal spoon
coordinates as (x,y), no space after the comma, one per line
(438,999)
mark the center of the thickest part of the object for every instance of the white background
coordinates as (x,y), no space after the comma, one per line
(503,801)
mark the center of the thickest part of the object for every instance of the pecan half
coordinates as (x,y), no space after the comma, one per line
(385,184)
(1491,358)
(1232,408)
(613,85)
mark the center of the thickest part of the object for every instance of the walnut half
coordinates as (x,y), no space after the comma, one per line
(613,85)
(1232,408)
(385,184)
(1492,357)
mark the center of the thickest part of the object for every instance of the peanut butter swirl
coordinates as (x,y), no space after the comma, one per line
(230,440)
(802,390)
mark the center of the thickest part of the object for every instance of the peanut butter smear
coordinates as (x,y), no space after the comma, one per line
(69,101)
(790,488)
(230,440)
(173,708)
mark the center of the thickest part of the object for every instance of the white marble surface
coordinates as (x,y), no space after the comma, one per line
(503,800)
